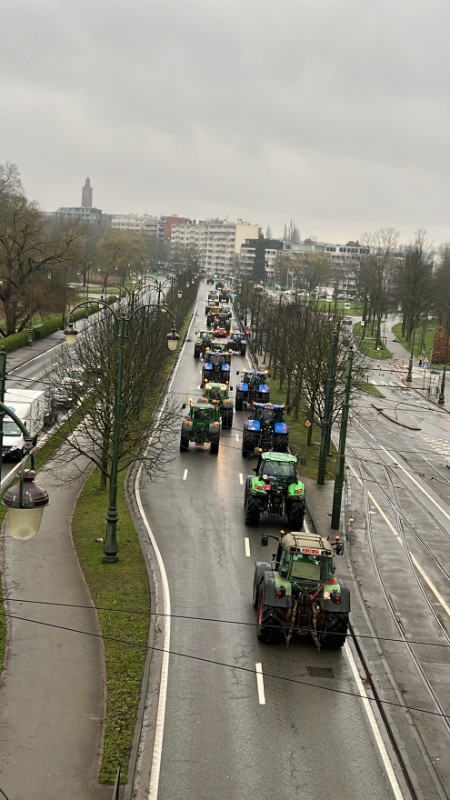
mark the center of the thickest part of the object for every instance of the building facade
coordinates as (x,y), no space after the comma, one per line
(216,241)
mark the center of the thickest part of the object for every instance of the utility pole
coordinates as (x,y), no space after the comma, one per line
(329,391)
(340,460)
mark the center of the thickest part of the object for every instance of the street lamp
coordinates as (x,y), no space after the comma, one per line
(441,398)
(110,549)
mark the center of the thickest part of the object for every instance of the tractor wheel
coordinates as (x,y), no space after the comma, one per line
(296,516)
(335,631)
(247,446)
(255,592)
(239,405)
(214,446)
(252,511)
(243,351)
(268,621)
(280,444)
(196,354)
(184,443)
(227,419)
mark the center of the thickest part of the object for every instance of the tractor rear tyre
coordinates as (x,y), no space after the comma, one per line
(227,420)
(335,631)
(243,351)
(296,516)
(239,404)
(268,621)
(255,592)
(247,446)
(214,446)
(184,443)
(280,444)
(252,511)
(196,354)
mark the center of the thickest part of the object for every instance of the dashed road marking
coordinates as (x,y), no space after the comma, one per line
(185,474)
(260,684)
(247,546)
(241,478)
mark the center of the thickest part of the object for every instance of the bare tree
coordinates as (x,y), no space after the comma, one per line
(378,269)
(143,436)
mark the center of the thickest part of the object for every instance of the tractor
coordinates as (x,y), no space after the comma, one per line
(201,426)
(237,343)
(217,393)
(297,594)
(203,339)
(252,388)
(266,429)
(216,367)
(275,491)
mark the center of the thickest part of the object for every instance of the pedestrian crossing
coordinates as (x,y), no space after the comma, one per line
(439,445)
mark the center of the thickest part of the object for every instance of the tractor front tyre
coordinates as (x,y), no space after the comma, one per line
(214,446)
(184,443)
(335,631)
(252,511)
(296,516)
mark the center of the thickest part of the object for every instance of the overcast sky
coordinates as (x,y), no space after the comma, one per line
(332,113)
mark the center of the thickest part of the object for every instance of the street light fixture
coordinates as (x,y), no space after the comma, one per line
(110,549)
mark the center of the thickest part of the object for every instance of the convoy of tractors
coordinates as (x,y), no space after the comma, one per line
(296,594)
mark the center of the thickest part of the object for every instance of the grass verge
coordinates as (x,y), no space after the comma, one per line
(121,586)
(367,345)
(113,588)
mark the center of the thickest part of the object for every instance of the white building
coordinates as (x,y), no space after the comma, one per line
(145,224)
(217,241)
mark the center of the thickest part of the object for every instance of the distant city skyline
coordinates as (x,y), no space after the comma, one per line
(335,115)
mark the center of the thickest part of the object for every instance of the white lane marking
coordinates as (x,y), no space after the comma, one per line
(247,546)
(373,724)
(416,483)
(185,474)
(241,478)
(418,567)
(162,693)
(360,480)
(431,585)
(260,684)
(387,521)
(237,437)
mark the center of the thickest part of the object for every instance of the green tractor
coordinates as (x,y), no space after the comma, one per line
(217,393)
(201,426)
(297,594)
(275,491)
(203,339)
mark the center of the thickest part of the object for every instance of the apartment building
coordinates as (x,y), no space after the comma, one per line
(217,241)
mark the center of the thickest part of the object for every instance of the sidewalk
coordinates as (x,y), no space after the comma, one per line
(52,694)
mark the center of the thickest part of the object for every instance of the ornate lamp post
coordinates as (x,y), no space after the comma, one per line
(110,549)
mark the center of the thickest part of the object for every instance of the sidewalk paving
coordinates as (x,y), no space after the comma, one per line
(52,692)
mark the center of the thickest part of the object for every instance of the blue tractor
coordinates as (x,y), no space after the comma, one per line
(266,429)
(252,389)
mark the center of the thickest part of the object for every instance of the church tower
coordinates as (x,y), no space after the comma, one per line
(86,197)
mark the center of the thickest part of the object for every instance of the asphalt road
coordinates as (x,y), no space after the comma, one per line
(291,732)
